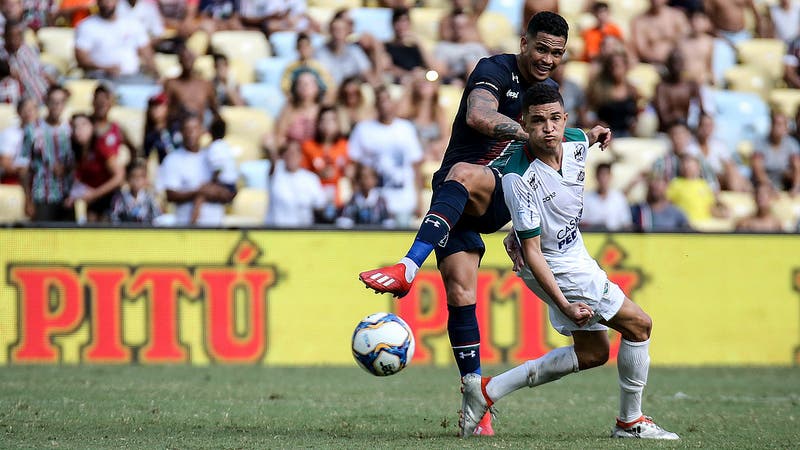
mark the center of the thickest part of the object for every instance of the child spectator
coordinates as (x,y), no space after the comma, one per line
(225,86)
(657,213)
(593,37)
(367,206)
(306,61)
(220,161)
(326,155)
(693,194)
(135,203)
(763,220)
(294,193)
(157,135)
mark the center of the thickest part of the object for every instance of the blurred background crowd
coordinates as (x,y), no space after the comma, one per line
(294,113)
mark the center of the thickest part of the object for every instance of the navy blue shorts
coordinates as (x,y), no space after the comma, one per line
(466,234)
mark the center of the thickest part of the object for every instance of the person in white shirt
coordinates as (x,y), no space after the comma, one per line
(110,46)
(390,145)
(294,193)
(785,18)
(186,176)
(11,160)
(145,12)
(605,208)
(270,16)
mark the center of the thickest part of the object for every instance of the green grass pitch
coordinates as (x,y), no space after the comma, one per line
(318,407)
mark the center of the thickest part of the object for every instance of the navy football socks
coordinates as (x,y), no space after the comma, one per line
(465,338)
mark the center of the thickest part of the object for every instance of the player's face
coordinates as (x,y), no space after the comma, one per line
(540,55)
(545,126)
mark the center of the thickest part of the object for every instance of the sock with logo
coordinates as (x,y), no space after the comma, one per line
(465,338)
(633,365)
(549,367)
(446,208)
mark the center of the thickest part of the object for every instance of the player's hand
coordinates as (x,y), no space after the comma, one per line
(514,251)
(600,135)
(578,312)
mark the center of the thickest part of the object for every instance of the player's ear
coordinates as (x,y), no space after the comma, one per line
(523,43)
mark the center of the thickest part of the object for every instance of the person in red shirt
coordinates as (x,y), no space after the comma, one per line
(593,37)
(326,154)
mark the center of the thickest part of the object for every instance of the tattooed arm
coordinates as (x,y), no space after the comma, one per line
(482,115)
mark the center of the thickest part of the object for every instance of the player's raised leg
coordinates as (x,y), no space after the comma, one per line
(468,187)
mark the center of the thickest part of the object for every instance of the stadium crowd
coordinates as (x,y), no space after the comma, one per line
(291,113)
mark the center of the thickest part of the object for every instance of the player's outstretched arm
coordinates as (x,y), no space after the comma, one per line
(482,115)
(578,312)
(599,134)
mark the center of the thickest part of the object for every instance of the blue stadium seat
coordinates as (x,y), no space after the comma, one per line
(254,173)
(741,116)
(270,70)
(724,58)
(264,96)
(136,95)
(375,21)
(512,9)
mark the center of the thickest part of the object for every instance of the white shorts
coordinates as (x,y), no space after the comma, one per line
(591,287)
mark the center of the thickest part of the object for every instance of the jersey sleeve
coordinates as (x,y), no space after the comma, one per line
(488,75)
(520,202)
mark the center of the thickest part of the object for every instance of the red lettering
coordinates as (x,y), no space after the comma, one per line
(425,311)
(531,319)
(39,289)
(163,285)
(106,315)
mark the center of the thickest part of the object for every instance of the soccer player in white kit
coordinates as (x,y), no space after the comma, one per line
(543,188)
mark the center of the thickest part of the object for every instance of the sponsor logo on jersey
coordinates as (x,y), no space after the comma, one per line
(512,94)
(580,152)
(567,235)
(514,77)
(581,175)
(549,197)
(533,181)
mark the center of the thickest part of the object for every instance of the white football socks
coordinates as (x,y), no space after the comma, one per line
(549,367)
(633,364)
(411,268)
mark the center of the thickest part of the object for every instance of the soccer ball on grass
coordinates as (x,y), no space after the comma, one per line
(383,344)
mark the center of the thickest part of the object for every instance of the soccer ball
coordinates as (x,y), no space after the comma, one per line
(383,344)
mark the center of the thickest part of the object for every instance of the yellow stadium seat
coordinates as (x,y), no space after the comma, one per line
(623,11)
(714,225)
(570,9)
(321,14)
(425,22)
(198,43)
(747,79)
(167,66)
(132,122)
(787,209)
(204,66)
(785,100)
(59,43)
(740,204)
(450,99)
(639,152)
(81,93)
(12,203)
(248,45)
(495,29)
(241,69)
(644,77)
(336,4)
(243,149)
(577,72)
(8,115)
(247,123)
(249,208)
(764,54)
(51,60)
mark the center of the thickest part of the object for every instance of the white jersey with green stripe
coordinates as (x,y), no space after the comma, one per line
(548,202)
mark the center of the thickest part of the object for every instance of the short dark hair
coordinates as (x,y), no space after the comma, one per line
(599,6)
(399,13)
(302,36)
(56,88)
(218,128)
(540,94)
(602,166)
(549,23)
(219,57)
(136,163)
(104,88)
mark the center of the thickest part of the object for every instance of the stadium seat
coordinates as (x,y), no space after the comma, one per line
(741,116)
(241,70)
(511,9)
(321,14)
(248,45)
(644,77)
(270,70)
(167,66)
(425,22)
(714,225)
(59,64)
(724,58)
(247,123)
(136,95)
(450,99)
(12,203)
(787,209)
(495,30)
(374,21)
(639,152)
(740,204)
(204,66)
(243,148)
(8,115)
(132,122)
(81,93)
(764,54)
(265,97)
(284,43)
(747,79)
(198,43)
(570,9)
(785,100)
(59,43)
(577,72)
(335,4)
(254,173)
(249,208)
(623,11)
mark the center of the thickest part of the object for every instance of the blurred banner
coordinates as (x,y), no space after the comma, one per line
(116,296)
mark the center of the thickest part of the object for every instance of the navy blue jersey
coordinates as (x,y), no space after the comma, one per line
(498,75)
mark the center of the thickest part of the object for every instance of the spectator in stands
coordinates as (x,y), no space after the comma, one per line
(342,59)
(305,60)
(298,118)
(221,162)
(187,175)
(23,61)
(180,16)
(157,136)
(351,105)
(189,92)
(791,64)
(11,10)
(606,208)
(657,213)
(326,155)
(575,102)
(668,166)
(108,134)
(390,146)
(776,159)
(613,97)
(719,157)
(763,220)
(11,161)
(99,171)
(368,205)
(657,31)
(593,37)
(10,90)
(472,9)
(269,16)
(146,13)
(461,53)
(785,19)
(294,193)
(74,11)
(225,86)
(692,194)
(404,50)
(421,106)
(112,47)
(135,202)
(46,145)
(697,50)
(675,95)
(219,15)
(728,18)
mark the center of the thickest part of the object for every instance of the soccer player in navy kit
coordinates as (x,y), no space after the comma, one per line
(468,198)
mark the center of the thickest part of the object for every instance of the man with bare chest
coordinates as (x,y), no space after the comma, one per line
(657,31)
(189,92)
(728,18)
(697,50)
(674,94)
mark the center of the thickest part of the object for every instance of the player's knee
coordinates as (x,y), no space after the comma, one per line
(462,172)
(643,325)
